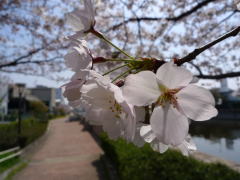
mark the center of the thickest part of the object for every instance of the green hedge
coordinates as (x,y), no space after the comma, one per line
(8,164)
(31,129)
(38,110)
(135,163)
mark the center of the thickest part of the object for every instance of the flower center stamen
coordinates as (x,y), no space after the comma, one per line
(168,96)
(115,108)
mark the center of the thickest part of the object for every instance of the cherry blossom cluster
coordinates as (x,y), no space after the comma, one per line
(152,101)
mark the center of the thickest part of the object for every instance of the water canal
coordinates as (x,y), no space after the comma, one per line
(220,138)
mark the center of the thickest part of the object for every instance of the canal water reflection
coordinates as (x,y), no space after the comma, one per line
(220,138)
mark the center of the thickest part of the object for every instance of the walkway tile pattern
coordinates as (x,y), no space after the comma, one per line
(67,153)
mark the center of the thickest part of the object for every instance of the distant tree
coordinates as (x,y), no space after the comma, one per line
(38,109)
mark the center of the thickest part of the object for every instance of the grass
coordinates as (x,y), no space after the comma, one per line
(8,164)
(31,130)
(5,155)
(133,163)
(16,170)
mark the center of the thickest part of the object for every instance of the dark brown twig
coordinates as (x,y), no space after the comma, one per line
(197,68)
(220,76)
(198,51)
(175,18)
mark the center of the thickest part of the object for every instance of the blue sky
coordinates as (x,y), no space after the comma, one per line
(32,81)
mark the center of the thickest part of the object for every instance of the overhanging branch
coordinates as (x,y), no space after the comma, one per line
(16,61)
(198,51)
(220,76)
(30,62)
(176,18)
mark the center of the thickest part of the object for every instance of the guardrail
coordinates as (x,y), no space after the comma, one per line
(15,149)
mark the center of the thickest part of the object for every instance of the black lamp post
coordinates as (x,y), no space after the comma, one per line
(20,98)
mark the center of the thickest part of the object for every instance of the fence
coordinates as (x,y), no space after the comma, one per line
(14,152)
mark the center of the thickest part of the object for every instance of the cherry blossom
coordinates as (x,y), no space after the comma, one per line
(79,57)
(174,98)
(186,147)
(150,107)
(108,108)
(237,3)
(72,89)
(82,20)
(140,117)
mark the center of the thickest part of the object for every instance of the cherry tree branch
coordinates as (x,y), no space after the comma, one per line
(30,62)
(175,18)
(24,59)
(196,67)
(220,22)
(198,51)
(16,61)
(189,12)
(220,76)
(20,72)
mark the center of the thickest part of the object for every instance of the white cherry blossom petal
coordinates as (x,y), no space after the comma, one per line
(118,95)
(129,117)
(103,94)
(78,58)
(102,80)
(147,133)
(95,116)
(72,94)
(158,146)
(169,125)
(89,7)
(112,125)
(197,103)
(74,20)
(187,146)
(88,86)
(98,96)
(173,76)
(82,20)
(72,90)
(128,120)
(80,75)
(141,89)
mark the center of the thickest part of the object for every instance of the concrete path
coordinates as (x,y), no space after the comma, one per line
(68,152)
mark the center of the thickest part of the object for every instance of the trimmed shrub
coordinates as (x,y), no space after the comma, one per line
(8,135)
(133,163)
(31,130)
(39,110)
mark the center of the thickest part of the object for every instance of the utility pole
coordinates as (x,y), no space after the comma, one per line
(20,97)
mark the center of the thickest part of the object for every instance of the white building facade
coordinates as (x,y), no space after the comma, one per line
(3,98)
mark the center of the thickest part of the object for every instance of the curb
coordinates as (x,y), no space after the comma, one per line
(213,159)
(95,131)
(6,173)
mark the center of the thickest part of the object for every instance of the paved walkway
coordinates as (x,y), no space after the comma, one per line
(68,152)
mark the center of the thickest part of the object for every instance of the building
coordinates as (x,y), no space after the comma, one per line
(3,98)
(45,94)
(39,93)
(59,96)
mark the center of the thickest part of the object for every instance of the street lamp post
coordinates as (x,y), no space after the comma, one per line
(20,96)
